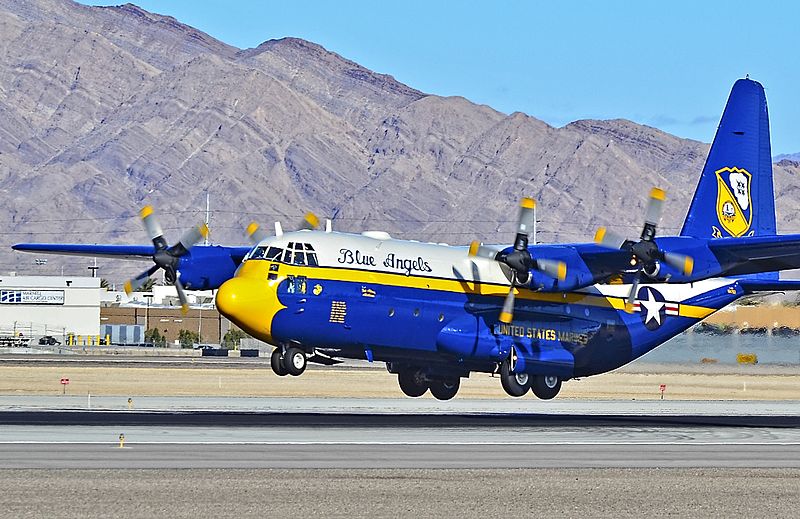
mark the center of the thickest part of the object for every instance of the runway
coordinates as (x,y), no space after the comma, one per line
(286,433)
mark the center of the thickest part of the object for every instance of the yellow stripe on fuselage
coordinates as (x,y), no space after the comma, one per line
(468,287)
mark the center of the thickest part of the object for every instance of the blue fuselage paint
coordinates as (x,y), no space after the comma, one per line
(449,330)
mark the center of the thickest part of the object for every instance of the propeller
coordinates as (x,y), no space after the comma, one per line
(256,234)
(166,257)
(519,261)
(645,252)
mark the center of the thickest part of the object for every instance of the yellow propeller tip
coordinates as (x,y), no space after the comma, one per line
(629,307)
(184,309)
(252,228)
(562,271)
(204,230)
(506,317)
(128,288)
(312,219)
(658,194)
(527,203)
(473,248)
(599,235)
(146,211)
(688,266)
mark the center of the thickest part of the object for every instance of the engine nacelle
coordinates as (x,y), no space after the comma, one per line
(206,268)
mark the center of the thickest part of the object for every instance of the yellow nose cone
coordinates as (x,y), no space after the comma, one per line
(250,304)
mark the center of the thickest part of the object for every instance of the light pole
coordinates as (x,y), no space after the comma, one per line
(148,297)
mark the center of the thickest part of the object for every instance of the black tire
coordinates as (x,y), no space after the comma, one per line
(412,382)
(276,362)
(294,361)
(515,384)
(546,386)
(445,389)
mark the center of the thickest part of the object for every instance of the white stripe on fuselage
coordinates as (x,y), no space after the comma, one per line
(412,258)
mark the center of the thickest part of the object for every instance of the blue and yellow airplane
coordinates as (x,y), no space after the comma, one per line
(536,315)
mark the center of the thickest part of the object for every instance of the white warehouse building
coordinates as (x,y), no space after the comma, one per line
(49,305)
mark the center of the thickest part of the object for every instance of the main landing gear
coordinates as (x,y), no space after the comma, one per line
(544,387)
(414,382)
(290,362)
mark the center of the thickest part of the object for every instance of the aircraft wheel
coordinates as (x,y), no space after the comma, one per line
(445,389)
(515,384)
(412,382)
(276,363)
(294,361)
(546,386)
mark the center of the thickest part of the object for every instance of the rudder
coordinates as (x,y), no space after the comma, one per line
(735,195)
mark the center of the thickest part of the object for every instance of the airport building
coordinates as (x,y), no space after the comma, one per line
(34,306)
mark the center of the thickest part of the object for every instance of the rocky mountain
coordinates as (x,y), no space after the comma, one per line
(787,156)
(104,109)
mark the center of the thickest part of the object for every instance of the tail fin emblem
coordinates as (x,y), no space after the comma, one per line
(734,202)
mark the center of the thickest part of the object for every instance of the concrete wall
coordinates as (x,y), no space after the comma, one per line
(74,305)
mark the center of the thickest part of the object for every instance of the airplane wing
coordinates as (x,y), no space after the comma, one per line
(134,252)
(756,254)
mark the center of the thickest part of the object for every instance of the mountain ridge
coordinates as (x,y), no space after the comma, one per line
(105,109)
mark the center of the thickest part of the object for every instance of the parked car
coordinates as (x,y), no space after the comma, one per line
(49,340)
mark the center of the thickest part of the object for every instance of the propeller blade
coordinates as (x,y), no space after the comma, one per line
(524,223)
(152,227)
(553,268)
(608,239)
(255,233)
(679,261)
(507,314)
(182,296)
(655,205)
(310,222)
(479,250)
(193,236)
(634,289)
(133,284)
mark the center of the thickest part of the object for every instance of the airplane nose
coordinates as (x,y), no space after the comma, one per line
(249,304)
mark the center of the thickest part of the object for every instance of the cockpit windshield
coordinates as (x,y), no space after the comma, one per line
(295,254)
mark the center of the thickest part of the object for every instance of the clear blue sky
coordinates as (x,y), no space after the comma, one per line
(666,64)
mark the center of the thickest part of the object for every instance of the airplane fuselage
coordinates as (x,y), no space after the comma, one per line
(432,305)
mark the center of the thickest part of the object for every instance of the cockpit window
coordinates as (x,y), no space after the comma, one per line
(273,254)
(294,254)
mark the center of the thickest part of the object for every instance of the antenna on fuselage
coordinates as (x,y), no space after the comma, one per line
(278,229)
(328,225)
(208,216)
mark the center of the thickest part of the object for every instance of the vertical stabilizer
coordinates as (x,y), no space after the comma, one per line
(735,197)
